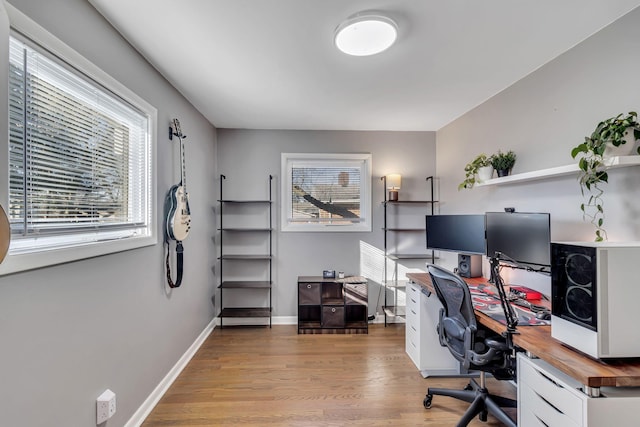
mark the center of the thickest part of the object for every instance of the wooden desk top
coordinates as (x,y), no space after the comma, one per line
(537,340)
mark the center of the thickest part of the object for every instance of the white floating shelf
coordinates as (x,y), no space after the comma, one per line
(611,162)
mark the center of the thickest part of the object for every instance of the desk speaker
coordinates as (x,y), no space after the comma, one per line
(469,265)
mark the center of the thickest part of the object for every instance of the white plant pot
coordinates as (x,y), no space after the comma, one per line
(621,150)
(485,173)
(626,149)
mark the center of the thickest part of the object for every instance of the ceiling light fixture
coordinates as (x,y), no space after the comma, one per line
(366,33)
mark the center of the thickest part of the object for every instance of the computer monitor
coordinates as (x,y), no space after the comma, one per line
(456,233)
(523,237)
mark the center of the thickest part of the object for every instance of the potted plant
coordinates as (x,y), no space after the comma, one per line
(612,132)
(503,162)
(473,169)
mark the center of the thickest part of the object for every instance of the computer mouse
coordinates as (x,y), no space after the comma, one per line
(543,315)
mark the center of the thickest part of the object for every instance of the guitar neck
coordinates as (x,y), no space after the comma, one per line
(181,137)
(183,170)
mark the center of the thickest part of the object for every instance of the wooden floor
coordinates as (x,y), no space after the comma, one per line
(275,377)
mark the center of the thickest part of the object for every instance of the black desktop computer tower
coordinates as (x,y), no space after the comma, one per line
(469,265)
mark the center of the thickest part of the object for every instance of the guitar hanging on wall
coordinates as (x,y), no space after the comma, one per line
(5,234)
(177,221)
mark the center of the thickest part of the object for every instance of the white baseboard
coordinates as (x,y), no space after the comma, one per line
(275,320)
(285,320)
(378,319)
(147,406)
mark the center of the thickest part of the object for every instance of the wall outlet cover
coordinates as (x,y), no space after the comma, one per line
(106,406)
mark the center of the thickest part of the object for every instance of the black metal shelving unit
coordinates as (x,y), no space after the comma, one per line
(245,285)
(393,310)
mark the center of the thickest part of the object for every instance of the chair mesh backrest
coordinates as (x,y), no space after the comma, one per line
(455,297)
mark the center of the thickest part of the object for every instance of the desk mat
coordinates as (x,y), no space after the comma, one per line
(486,300)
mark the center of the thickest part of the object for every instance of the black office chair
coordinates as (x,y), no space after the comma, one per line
(476,349)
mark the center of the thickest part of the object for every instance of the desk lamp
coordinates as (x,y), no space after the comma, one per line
(393,182)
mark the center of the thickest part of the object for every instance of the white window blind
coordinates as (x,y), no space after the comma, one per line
(326,192)
(79,157)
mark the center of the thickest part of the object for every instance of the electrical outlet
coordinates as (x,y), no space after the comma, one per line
(106,406)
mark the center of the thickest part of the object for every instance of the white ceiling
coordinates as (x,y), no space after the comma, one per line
(271,64)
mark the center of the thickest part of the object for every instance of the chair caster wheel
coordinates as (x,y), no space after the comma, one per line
(483,416)
(427,401)
(468,387)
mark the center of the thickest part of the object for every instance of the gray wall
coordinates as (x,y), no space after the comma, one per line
(541,118)
(247,157)
(69,332)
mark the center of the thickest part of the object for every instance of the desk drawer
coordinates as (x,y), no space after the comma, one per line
(547,393)
(414,354)
(412,345)
(412,315)
(413,294)
(412,338)
(412,331)
(537,412)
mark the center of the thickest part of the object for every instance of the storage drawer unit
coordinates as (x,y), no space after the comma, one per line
(550,398)
(331,306)
(412,326)
(421,335)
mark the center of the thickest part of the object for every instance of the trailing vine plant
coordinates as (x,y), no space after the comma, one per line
(593,168)
(471,169)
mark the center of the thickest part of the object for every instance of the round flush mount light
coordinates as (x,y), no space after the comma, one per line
(365,33)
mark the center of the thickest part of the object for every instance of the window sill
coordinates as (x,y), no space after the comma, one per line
(15,263)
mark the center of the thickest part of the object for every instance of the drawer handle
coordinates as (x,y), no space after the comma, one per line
(550,404)
(308,286)
(550,379)
(414,312)
(413,301)
(541,422)
(414,328)
(333,310)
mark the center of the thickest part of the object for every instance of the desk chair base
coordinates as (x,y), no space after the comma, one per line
(482,402)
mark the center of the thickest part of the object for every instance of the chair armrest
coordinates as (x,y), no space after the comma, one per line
(497,344)
(441,337)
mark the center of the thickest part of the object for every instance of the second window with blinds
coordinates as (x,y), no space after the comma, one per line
(326,192)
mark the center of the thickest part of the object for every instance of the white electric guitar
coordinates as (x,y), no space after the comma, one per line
(178,220)
(5,234)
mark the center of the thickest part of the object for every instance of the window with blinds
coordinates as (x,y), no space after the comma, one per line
(79,157)
(326,192)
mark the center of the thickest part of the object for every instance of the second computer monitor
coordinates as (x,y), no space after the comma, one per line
(522,237)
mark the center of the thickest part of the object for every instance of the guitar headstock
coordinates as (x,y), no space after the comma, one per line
(176,129)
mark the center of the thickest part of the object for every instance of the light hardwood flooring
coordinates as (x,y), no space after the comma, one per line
(275,377)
